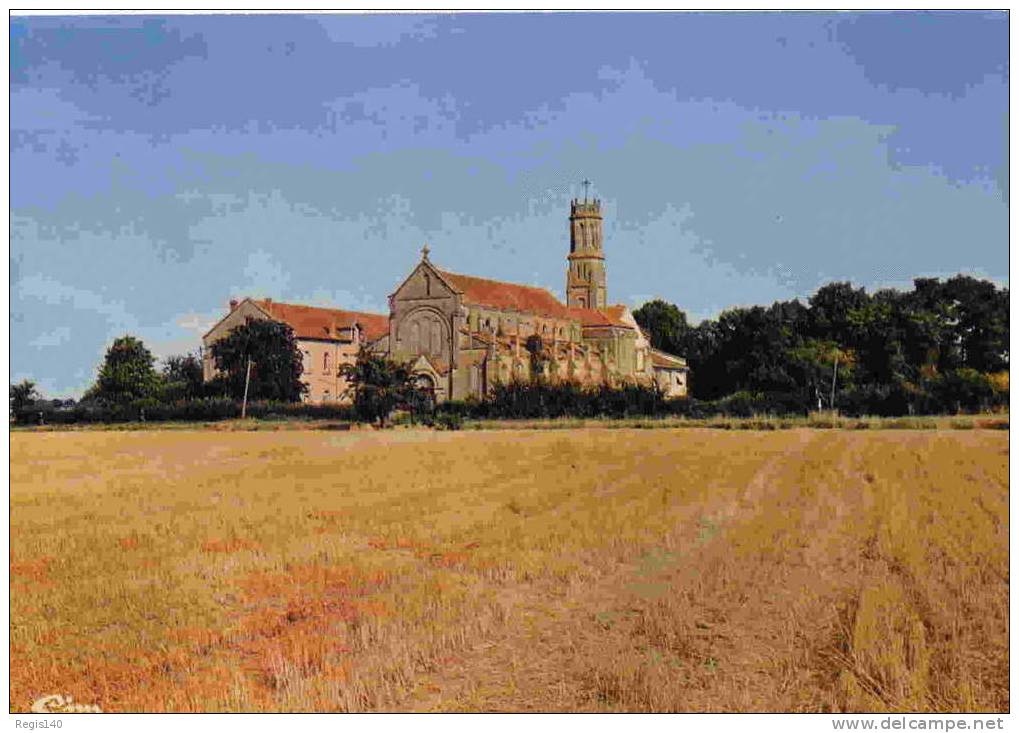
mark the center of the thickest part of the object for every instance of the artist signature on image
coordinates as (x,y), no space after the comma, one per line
(61,704)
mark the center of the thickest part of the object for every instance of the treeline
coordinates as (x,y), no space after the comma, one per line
(940,348)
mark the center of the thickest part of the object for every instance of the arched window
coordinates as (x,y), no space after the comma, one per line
(415,337)
(436,338)
(306,360)
(325,362)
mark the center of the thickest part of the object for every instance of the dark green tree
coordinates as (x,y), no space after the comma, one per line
(666,327)
(127,373)
(825,367)
(276,361)
(747,349)
(22,395)
(830,309)
(182,377)
(980,322)
(380,385)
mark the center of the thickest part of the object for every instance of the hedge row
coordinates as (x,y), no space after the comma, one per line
(522,400)
(959,392)
(201,410)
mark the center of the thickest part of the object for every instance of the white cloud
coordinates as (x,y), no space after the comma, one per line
(57,337)
(54,292)
(199,323)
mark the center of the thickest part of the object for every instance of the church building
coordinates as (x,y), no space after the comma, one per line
(463,334)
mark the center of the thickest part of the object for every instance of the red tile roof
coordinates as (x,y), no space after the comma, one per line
(590,317)
(609,316)
(322,323)
(507,296)
(615,312)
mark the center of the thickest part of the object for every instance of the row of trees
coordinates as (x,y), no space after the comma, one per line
(941,347)
(129,385)
(258,361)
(128,372)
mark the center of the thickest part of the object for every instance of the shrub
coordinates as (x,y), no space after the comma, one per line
(449,421)
(964,390)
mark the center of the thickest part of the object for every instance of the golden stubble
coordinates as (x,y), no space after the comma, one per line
(701,570)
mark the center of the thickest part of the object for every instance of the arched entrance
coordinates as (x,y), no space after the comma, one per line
(425,384)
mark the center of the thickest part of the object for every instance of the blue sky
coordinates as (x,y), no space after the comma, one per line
(162,165)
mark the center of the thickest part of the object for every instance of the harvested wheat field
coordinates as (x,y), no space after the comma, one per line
(589,570)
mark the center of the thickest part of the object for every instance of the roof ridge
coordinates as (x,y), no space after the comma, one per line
(499,282)
(264,301)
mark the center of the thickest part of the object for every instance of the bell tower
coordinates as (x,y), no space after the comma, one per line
(585,276)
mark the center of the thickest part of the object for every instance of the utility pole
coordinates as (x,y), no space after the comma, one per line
(834,376)
(247,380)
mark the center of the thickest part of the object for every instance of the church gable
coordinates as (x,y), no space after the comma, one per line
(424,283)
(424,316)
